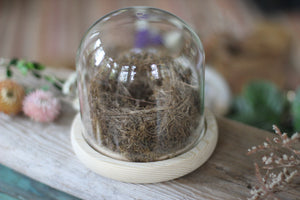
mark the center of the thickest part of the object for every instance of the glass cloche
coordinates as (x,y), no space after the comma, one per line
(141,85)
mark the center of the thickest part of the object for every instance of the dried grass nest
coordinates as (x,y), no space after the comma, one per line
(144,107)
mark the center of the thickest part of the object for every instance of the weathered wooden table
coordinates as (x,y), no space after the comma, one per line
(43,152)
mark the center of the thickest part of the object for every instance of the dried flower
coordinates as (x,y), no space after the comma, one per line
(41,106)
(146,36)
(280,162)
(70,85)
(11,97)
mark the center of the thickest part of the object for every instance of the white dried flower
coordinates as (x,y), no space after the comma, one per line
(276,130)
(291,176)
(275,181)
(69,87)
(280,168)
(272,175)
(268,161)
(276,139)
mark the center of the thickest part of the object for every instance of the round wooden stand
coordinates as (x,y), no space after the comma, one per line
(146,172)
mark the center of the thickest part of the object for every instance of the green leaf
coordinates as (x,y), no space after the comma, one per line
(23,70)
(9,73)
(21,65)
(13,61)
(57,86)
(55,82)
(38,66)
(296,111)
(29,65)
(261,104)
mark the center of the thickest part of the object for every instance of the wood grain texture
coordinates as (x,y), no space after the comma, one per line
(145,172)
(44,152)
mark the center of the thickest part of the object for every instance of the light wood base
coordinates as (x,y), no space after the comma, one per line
(145,172)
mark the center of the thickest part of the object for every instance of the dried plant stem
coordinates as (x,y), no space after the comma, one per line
(280,161)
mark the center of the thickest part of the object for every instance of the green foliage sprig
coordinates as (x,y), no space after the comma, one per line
(35,69)
(295,111)
(262,104)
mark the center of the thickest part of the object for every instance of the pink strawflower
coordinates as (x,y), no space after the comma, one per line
(41,106)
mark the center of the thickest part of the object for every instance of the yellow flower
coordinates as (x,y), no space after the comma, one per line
(11,97)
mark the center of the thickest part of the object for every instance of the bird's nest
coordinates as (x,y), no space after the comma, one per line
(144,107)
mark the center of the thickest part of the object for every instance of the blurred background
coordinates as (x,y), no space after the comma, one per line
(250,36)
(244,40)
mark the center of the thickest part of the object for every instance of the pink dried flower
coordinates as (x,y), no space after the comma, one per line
(41,106)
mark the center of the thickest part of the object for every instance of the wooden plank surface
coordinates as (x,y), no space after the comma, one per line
(43,152)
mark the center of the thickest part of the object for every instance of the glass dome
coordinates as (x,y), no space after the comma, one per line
(141,85)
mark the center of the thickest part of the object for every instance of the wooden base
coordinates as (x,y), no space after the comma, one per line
(145,172)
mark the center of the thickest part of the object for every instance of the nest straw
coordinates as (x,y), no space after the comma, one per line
(144,107)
